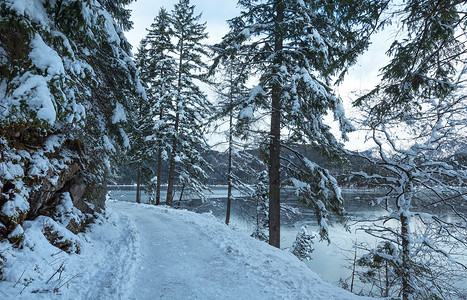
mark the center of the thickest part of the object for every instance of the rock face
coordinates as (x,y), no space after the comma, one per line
(45,198)
(35,179)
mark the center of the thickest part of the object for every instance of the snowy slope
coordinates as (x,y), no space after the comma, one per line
(147,252)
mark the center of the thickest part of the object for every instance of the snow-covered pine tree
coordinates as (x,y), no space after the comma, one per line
(158,72)
(303,245)
(416,116)
(191,105)
(141,126)
(162,87)
(426,63)
(260,197)
(380,270)
(295,48)
(117,10)
(66,79)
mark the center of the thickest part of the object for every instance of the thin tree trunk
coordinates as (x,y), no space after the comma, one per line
(181,194)
(354,267)
(138,181)
(159,172)
(274,151)
(159,158)
(386,290)
(405,239)
(171,179)
(174,145)
(138,166)
(229,187)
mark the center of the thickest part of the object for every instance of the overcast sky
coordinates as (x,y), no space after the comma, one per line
(215,13)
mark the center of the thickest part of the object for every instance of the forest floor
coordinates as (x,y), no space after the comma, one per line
(138,251)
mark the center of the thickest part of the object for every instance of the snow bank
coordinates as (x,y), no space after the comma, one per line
(101,270)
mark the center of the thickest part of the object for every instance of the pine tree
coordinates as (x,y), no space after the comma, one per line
(120,14)
(142,149)
(191,105)
(303,244)
(66,80)
(260,197)
(157,68)
(424,65)
(295,47)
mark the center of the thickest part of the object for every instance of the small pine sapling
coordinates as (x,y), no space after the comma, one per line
(303,244)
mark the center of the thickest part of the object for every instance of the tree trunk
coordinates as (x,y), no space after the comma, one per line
(274,151)
(171,179)
(404,207)
(353,267)
(159,159)
(386,289)
(138,181)
(181,194)
(405,240)
(229,187)
(170,185)
(158,182)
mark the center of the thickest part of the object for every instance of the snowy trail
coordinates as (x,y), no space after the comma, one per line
(172,264)
(183,255)
(179,261)
(139,251)
(110,274)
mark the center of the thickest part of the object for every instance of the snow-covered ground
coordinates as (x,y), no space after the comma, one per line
(147,252)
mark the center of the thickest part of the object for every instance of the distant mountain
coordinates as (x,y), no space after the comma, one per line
(342,168)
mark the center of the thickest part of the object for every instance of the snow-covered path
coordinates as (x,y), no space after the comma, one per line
(180,262)
(138,251)
(187,256)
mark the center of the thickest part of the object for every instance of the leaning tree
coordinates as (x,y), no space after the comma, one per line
(191,105)
(416,117)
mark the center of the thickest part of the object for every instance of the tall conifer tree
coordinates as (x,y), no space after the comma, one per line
(295,47)
(191,105)
(231,89)
(158,72)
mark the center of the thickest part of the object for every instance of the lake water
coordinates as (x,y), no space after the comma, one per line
(332,261)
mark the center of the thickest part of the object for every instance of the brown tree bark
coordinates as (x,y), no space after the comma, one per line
(158,182)
(138,182)
(170,184)
(229,187)
(274,150)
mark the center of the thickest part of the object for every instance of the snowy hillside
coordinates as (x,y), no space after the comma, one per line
(148,252)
